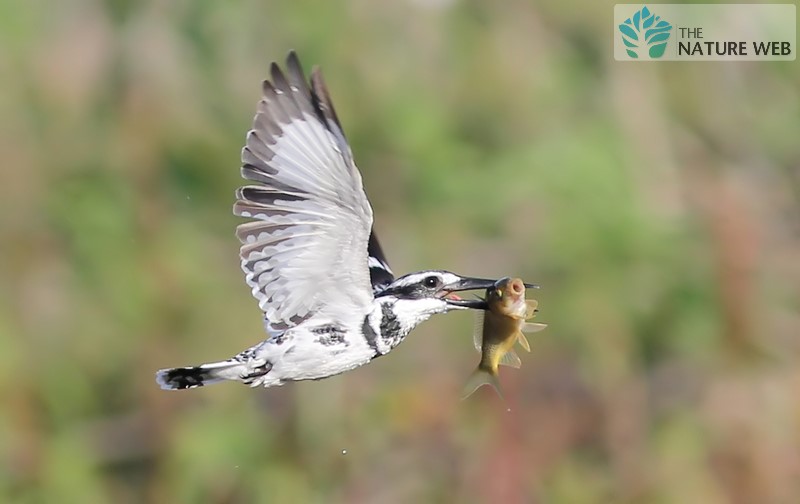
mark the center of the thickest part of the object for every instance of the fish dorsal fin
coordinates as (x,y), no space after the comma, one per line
(511,359)
(531,327)
(523,341)
(477,333)
(532,305)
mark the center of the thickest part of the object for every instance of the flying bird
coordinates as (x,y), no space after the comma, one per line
(309,253)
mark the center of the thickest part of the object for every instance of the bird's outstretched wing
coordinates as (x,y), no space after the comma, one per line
(307,248)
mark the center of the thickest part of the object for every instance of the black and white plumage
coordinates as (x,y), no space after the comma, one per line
(309,254)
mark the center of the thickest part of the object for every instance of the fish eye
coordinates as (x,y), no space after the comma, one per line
(432,282)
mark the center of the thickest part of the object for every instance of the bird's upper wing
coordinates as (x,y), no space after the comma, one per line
(307,248)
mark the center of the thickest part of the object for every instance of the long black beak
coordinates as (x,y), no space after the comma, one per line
(474,284)
(465,284)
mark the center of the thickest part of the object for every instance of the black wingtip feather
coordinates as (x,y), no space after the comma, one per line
(320,91)
(293,62)
(279,80)
(275,71)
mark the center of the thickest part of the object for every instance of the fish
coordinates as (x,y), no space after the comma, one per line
(501,327)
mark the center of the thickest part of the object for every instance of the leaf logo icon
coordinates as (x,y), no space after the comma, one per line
(644,31)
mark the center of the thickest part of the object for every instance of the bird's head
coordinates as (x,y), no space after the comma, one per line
(433,291)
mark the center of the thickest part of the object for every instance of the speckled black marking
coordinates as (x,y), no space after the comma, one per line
(279,340)
(391,330)
(369,335)
(331,339)
(246,355)
(330,334)
(327,329)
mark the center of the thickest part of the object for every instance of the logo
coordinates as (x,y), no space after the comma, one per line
(645,35)
(705,32)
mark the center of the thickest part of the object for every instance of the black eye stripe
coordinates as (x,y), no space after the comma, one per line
(417,290)
(417,286)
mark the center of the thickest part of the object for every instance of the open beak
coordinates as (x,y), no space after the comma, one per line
(465,284)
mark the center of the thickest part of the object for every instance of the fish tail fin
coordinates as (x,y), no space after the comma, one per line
(479,378)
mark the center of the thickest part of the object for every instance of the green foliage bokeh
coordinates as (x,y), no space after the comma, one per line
(658,205)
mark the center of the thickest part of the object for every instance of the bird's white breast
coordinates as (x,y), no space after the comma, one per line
(318,348)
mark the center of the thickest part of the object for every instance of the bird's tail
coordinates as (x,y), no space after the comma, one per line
(206,374)
(479,378)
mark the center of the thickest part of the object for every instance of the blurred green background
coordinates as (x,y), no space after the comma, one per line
(657,204)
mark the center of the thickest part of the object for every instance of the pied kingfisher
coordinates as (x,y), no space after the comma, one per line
(330,301)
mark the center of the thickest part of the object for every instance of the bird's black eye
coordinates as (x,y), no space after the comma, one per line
(432,282)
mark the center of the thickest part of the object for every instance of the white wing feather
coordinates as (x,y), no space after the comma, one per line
(307,248)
